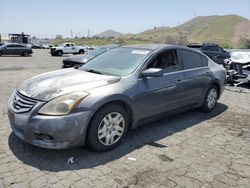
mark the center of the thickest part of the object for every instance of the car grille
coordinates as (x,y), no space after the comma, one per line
(21,103)
(68,63)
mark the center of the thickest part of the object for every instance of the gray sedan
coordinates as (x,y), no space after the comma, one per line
(119,89)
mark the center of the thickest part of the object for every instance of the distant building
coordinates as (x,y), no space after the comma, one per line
(19,38)
(4,38)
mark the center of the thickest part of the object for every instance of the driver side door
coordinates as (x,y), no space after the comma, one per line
(165,93)
(67,49)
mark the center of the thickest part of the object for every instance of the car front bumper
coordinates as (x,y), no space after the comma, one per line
(52,132)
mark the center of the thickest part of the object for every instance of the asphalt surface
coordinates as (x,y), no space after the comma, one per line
(192,149)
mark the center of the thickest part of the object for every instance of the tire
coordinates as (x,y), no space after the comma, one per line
(26,54)
(59,53)
(104,132)
(210,99)
(77,66)
(81,51)
(0,53)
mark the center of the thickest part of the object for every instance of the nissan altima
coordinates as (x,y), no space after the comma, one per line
(118,90)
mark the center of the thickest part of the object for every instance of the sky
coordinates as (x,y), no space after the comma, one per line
(47,18)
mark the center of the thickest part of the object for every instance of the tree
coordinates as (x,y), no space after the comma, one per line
(244,43)
(59,36)
(119,41)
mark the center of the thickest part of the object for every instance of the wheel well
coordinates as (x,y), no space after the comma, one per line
(120,103)
(217,86)
(81,50)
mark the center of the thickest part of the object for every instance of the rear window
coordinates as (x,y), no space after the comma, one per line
(197,46)
(211,48)
(192,60)
(19,45)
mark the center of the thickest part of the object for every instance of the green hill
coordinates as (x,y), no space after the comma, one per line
(227,30)
(231,31)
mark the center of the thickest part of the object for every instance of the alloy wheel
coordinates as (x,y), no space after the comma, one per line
(111,128)
(212,98)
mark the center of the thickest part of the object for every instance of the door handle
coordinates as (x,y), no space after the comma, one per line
(179,81)
(208,73)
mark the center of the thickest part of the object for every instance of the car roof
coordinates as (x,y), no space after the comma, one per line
(202,44)
(157,46)
(15,44)
(146,46)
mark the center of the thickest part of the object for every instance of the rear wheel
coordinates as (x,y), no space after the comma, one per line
(26,54)
(60,53)
(210,99)
(108,128)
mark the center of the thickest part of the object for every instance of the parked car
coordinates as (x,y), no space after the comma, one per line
(238,67)
(78,60)
(117,90)
(212,50)
(15,49)
(36,46)
(67,48)
(2,43)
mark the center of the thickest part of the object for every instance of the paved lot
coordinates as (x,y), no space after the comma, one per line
(188,150)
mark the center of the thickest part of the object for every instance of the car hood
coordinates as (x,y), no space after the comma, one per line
(53,84)
(79,58)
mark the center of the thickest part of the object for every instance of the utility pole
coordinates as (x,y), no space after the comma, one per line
(88,35)
(71,32)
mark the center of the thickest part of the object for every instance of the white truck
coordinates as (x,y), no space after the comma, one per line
(67,48)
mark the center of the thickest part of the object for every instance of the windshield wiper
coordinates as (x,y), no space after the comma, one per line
(93,71)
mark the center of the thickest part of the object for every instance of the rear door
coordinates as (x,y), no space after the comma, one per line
(197,75)
(165,93)
(19,49)
(73,48)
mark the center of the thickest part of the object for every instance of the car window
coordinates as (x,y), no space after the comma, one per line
(19,46)
(220,49)
(204,61)
(118,61)
(192,60)
(212,48)
(167,61)
(97,51)
(10,46)
(67,45)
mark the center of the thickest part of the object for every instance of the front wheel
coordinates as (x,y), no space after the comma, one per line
(81,52)
(210,99)
(108,128)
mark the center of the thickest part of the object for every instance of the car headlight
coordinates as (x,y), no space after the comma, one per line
(63,105)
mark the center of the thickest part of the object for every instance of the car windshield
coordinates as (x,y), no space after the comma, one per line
(119,61)
(97,51)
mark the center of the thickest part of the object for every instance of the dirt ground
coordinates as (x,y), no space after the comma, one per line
(192,149)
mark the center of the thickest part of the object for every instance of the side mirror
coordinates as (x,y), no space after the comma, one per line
(152,72)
